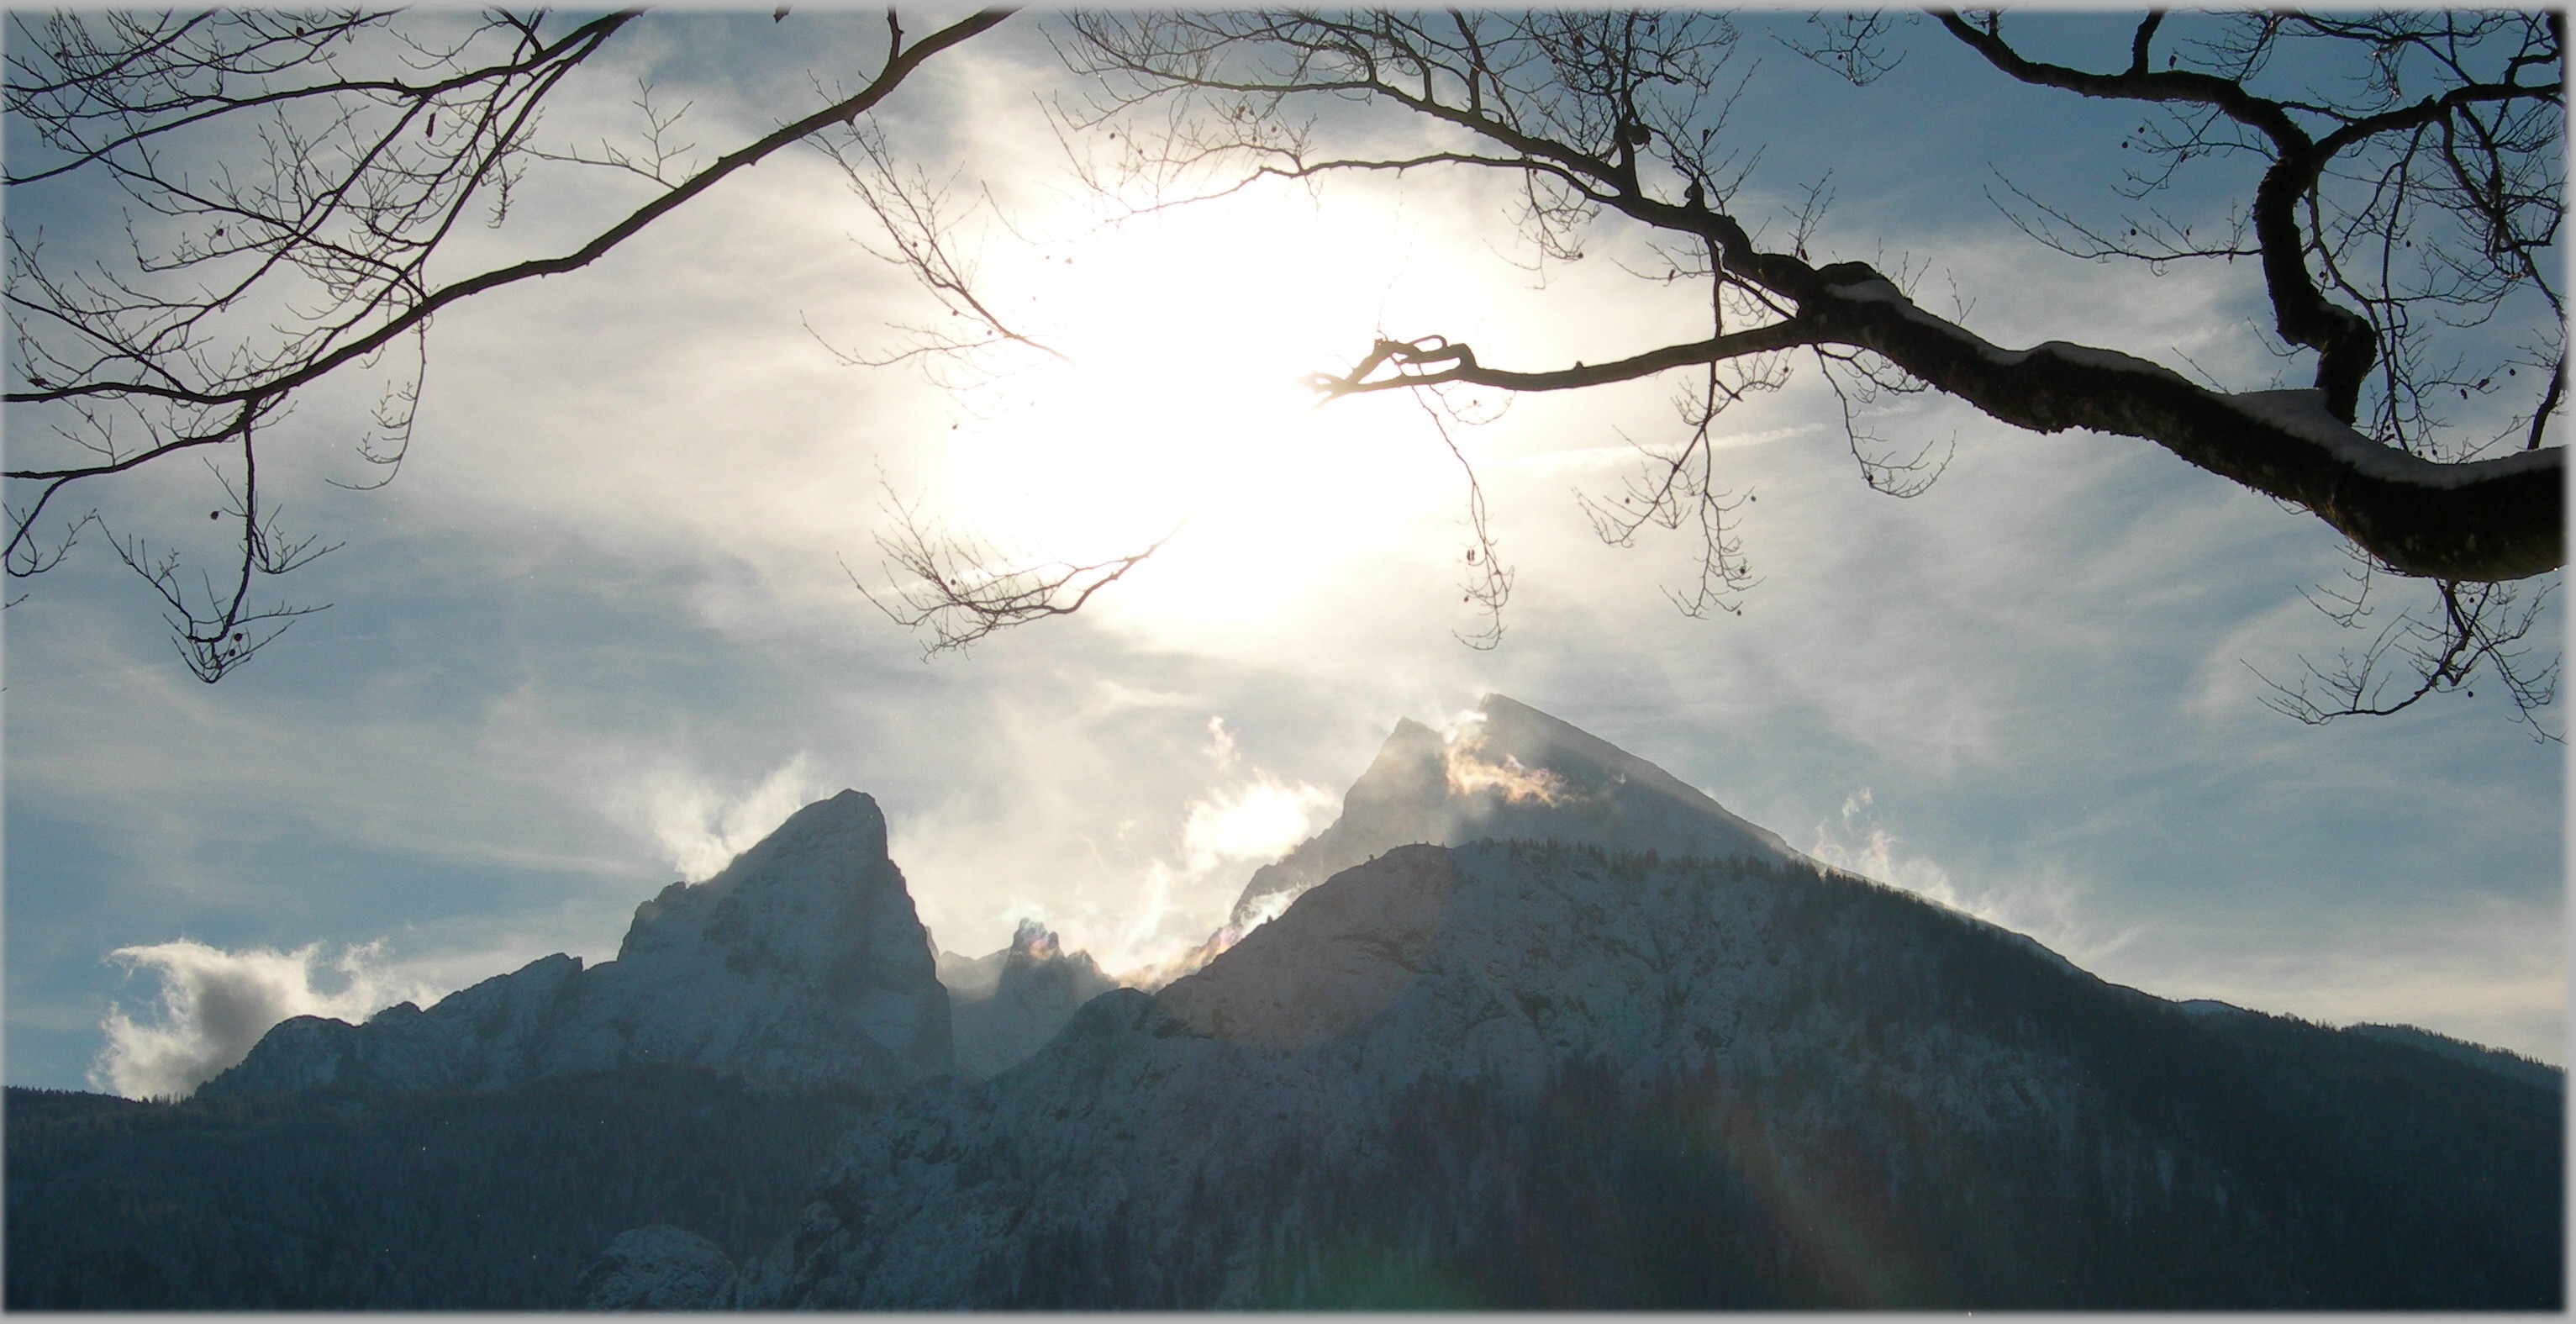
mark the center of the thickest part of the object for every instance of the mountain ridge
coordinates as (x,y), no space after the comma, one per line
(1592,1041)
(1559,1046)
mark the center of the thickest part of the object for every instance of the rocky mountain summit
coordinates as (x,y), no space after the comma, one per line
(802,964)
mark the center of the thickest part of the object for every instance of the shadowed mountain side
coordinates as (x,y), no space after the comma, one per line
(1514,1076)
(493,1200)
(1335,961)
(802,964)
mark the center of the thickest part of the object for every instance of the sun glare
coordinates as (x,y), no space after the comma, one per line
(1190,334)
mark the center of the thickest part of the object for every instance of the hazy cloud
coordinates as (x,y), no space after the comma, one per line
(1221,745)
(701,828)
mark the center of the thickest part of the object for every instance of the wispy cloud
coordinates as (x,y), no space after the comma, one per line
(1198,809)
(700,827)
(2046,907)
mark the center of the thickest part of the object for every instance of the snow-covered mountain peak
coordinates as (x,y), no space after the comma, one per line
(1512,773)
(826,846)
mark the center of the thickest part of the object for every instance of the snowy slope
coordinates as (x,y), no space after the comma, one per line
(802,963)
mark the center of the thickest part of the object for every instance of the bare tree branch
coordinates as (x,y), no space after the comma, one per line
(350,151)
(959,590)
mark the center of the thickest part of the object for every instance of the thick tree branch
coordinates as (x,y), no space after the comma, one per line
(2495,519)
(2347,344)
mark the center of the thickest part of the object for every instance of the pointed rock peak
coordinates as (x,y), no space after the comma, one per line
(1531,757)
(1034,941)
(1007,1004)
(834,845)
(1038,957)
(1509,737)
(803,962)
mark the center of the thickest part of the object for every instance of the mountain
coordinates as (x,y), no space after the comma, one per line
(1561,1032)
(479,1154)
(1638,1055)
(1003,1006)
(802,964)
(1509,773)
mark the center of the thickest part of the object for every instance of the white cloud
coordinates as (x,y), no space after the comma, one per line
(1255,820)
(213,1005)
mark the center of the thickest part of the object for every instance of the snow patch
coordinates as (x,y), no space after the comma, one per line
(2081,355)
(2302,413)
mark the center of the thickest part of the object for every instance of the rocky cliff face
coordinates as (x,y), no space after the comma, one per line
(802,964)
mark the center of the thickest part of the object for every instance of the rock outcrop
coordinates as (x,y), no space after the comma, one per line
(656,1268)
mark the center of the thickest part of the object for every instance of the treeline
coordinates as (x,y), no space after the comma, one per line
(492,1200)
(1611,1189)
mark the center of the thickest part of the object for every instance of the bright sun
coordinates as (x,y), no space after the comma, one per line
(1190,333)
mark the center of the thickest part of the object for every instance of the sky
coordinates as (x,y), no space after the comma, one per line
(599,634)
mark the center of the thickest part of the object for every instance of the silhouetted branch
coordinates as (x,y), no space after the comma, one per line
(350,151)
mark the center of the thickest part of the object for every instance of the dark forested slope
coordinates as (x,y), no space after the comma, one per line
(326,1200)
